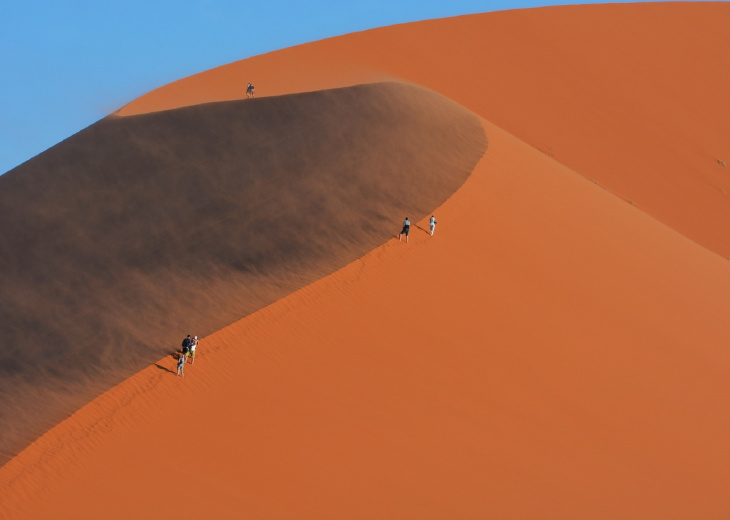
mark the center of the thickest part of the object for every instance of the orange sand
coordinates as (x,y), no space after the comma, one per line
(93,235)
(631,96)
(552,352)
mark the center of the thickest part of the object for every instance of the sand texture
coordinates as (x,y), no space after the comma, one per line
(632,97)
(558,349)
(137,231)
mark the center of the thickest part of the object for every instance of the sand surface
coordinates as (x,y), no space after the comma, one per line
(128,236)
(526,368)
(633,96)
(557,350)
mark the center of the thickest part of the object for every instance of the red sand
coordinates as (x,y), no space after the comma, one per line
(631,96)
(139,230)
(551,352)
(554,351)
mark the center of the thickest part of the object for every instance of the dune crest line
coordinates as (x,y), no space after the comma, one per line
(631,96)
(137,231)
(558,349)
(466,369)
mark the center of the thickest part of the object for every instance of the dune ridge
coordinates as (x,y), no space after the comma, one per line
(494,369)
(631,96)
(137,231)
(557,349)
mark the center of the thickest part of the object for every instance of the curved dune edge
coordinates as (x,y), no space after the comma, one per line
(631,96)
(530,360)
(125,233)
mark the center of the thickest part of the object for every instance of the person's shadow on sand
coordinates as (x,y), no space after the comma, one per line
(419,227)
(164,368)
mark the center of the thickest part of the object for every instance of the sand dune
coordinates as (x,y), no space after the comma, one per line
(557,350)
(631,96)
(137,231)
(520,363)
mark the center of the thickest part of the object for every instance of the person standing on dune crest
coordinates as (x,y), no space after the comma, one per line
(432,224)
(406,229)
(181,366)
(250,90)
(193,346)
(186,347)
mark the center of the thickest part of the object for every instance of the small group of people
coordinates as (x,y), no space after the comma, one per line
(250,91)
(407,227)
(189,346)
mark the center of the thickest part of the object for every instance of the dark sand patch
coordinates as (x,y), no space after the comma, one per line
(136,231)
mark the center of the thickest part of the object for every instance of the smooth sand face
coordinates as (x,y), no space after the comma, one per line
(553,351)
(520,363)
(630,96)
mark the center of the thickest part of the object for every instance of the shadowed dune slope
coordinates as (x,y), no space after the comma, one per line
(632,96)
(552,352)
(136,231)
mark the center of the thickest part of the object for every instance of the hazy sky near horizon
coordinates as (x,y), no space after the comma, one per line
(66,64)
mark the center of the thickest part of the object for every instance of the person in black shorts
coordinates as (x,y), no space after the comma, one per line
(186,347)
(406,229)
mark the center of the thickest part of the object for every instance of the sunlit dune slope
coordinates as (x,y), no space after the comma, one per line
(121,240)
(632,96)
(557,350)
(552,352)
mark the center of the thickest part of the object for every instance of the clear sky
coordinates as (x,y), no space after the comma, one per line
(65,64)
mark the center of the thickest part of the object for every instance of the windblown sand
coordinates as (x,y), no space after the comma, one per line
(137,231)
(557,350)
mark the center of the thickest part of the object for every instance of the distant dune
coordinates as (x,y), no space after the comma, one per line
(137,231)
(632,97)
(558,349)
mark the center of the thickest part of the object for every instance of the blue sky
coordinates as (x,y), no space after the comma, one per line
(68,63)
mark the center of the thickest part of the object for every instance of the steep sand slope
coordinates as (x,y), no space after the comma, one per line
(121,240)
(632,96)
(552,352)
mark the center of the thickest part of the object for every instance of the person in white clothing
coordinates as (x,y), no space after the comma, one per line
(193,346)
(432,224)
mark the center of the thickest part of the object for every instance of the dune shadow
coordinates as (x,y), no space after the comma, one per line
(111,194)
